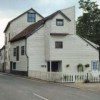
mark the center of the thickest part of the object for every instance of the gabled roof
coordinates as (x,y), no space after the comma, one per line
(54,14)
(20,16)
(90,43)
(28,31)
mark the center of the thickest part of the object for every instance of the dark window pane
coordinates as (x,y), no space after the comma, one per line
(58,44)
(59,22)
(17,56)
(14,52)
(31,17)
(14,65)
(95,65)
(22,50)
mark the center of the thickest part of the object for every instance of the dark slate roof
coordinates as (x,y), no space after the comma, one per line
(54,14)
(27,31)
(20,16)
(33,27)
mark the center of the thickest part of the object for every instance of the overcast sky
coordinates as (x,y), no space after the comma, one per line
(10,9)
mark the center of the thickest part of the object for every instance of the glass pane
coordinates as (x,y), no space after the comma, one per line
(58,44)
(31,17)
(94,65)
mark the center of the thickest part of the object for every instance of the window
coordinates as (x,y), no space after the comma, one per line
(59,22)
(31,17)
(58,44)
(95,65)
(17,53)
(14,52)
(6,40)
(22,50)
(14,65)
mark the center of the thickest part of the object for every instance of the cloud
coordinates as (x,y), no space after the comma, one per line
(10,9)
(3,23)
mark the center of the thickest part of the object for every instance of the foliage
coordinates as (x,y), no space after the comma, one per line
(86,81)
(88,25)
(67,65)
(80,68)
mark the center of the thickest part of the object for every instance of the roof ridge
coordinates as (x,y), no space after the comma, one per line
(28,30)
(20,16)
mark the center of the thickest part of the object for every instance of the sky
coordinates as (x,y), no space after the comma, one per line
(9,9)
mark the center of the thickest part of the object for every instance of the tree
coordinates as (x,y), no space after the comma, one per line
(88,25)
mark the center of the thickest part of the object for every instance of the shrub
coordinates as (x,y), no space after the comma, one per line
(86,81)
(80,68)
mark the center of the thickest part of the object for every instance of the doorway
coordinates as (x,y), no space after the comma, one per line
(55,66)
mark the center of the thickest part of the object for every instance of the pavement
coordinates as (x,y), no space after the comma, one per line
(79,85)
(19,88)
(95,87)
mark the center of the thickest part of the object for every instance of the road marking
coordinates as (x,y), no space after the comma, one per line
(40,96)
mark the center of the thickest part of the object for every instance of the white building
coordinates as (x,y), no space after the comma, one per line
(36,45)
(2,58)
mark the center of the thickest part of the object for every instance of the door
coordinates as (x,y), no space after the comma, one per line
(11,63)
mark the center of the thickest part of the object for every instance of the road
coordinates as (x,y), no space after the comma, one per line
(16,88)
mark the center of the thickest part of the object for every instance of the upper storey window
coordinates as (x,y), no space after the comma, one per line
(31,17)
(59,22)
(58,44)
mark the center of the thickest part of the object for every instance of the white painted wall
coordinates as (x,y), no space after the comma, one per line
(21,65)
(47,31)
(20,24)
(74,51)
(36,52)
(1,59)
(70,13)
(60,29)
(14,28)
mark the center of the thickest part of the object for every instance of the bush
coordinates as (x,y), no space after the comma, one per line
(80,68)
(86,81)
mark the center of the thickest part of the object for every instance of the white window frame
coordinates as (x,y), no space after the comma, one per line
(95,68)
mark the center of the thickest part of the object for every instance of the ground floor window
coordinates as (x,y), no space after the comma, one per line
(14,65)
(55,66)
(95,65)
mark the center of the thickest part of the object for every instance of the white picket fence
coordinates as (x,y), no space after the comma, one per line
(59,77)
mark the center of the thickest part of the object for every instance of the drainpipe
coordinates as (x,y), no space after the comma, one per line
(26,55)
(99,53)
(50,58)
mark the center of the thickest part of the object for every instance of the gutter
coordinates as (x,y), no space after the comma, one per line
(26,55)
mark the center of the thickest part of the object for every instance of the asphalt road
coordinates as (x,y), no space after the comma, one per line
(15,88)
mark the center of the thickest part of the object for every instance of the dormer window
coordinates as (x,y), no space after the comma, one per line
(31,17)
(59,22)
